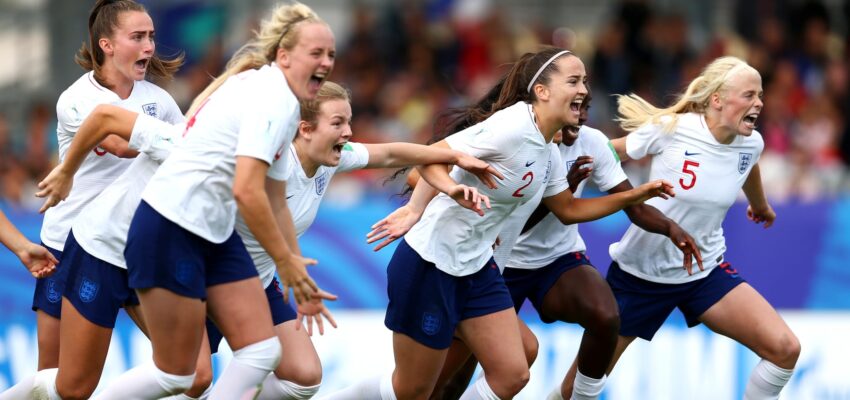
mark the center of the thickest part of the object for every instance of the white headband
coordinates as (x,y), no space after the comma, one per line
(542,67)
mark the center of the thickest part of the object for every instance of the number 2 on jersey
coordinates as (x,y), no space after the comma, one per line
(530,176)
(685,169)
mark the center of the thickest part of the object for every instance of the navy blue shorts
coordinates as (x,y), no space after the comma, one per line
(645,305)
(47,296)
(534,284)
(162,254)
(96,288)
(281,312)
(427,304)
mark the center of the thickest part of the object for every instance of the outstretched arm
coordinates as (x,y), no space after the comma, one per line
(395,155)
(105,120)
(759,210)
(571,210)
(35,258)
(399,222)
(652,220)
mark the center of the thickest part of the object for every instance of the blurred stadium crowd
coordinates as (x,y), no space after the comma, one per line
(405,62)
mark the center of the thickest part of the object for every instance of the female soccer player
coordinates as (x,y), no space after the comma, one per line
(707,144)
(182,247)
(37,259)
(442,280)
(119,53)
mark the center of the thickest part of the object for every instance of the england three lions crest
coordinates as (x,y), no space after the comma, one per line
(744,161)
(321,183)
(150,109)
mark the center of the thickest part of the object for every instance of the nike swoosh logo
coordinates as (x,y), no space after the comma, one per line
(290,196)
(529,163)
(687,154)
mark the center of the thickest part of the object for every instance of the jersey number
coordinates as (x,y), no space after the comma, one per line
(530,176)
(686,169)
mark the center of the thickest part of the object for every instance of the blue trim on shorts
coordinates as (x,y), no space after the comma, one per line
(162,254)
(427,304)
(47,296)
(281,312)
(534,284)
(645,305)
(95,288)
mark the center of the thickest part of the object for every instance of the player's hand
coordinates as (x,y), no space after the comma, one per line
(38,260)
(469,197)
(293,274)
(766,215)
(577,174)
(55,187)
(393,226)
(314,309)
(657,188)
(688,246)
(483,171)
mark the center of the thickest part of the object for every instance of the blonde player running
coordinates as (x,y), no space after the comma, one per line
(119,54)
(182,247)
(442,280)
(706,143)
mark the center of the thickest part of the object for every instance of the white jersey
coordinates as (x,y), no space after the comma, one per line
(102,226)
(99,168)
(706,176)
(549,238)
(253,114)
(457,240)
(303,197)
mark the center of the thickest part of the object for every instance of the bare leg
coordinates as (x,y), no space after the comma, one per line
(416,368)
(48,340)
(83,354)
(496,341)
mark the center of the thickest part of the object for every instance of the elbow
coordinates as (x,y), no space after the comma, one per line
(125,152)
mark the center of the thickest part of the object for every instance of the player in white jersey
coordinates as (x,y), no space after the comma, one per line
(37,259)
(442,280)
(707,145)
(544,261)
(119,53)
(182,247)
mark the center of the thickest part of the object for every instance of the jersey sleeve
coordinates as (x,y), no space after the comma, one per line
(484,142)
(154,137)
(607,171)
(354,156)
(647,140)
(173,115)
(281,167)
(264,134)
(557,174)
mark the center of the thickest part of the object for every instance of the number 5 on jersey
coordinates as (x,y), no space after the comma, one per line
(688,168)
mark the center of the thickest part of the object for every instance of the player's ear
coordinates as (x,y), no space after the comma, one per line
(105,46)
(305,130)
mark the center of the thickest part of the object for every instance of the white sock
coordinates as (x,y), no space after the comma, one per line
(279,389)
(145,382)
(183,396)
(587,388)
(479,390)
(246,371)
(375,388)
(766,381)
(41,386)
(555,394)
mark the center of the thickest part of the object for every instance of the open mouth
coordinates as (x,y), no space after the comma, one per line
(315,81)
(142,64)
(750,120)
(337,148)
(575,106)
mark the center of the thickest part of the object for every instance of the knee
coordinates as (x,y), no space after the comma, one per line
(785,351)
(309,374)
(602,318)
(80,390)
(510,381)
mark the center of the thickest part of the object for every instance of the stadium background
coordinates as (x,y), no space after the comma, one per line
(406,61)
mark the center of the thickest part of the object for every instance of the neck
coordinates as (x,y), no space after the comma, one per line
(308,165)
(722,134)
(122,87)
(547,126)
